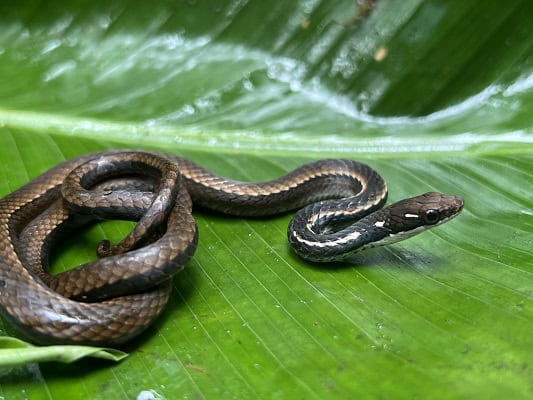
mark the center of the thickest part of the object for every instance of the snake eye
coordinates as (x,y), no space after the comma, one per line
(431,217)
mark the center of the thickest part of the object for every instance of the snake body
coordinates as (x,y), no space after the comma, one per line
(112,299)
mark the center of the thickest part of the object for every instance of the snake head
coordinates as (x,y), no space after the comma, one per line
(430,209)
(409,217)
(435,208)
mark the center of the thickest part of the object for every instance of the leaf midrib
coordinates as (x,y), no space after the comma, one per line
(271,143)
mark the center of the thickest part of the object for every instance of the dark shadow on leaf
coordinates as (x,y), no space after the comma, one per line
(51,370)
(392,257)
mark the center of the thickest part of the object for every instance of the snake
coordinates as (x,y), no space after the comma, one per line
(339,207)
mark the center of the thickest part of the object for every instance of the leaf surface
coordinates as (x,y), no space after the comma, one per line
(435,96)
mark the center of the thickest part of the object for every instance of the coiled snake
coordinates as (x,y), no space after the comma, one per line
(114,298)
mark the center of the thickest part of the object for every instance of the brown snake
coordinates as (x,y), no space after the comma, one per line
(114,298)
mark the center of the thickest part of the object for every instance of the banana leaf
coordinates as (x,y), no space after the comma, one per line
(435,95)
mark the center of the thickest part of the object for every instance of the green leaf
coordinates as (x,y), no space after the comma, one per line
(15,352)
(434,95)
